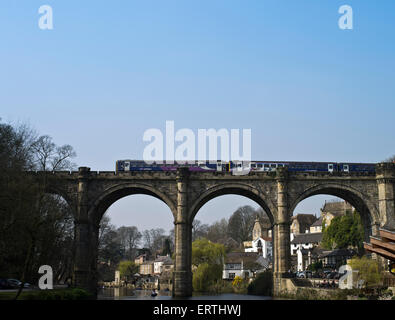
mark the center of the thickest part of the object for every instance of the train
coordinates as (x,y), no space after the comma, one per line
(237,166)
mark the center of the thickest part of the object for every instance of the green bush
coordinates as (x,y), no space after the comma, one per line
(262,285)
(205,276)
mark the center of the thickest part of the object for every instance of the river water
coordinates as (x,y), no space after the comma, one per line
(130,294)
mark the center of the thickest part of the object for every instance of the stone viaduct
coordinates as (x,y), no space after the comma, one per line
(90,194)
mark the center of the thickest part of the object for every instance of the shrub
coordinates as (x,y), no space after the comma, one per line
(262,285)
(206,275)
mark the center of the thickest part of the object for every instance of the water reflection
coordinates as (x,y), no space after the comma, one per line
(130,294)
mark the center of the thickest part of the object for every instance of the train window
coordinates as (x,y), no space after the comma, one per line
(266,165)
(260,165)
(280,165)
(253,165)
(273,165)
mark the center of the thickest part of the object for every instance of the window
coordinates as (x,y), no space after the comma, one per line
(232,275)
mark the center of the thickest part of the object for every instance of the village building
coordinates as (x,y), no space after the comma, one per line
(333,209)
(140,259)
(302,222)
(261,239)
(335,258)
(243,265)
(316,227)
(302,249)
(159,264)
(147,268)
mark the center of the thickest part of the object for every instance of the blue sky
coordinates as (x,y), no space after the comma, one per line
(109,70)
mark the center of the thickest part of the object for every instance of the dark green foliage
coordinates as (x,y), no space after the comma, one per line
(262,284)
(36,228)
(205,276)
(343,232)
(315,266)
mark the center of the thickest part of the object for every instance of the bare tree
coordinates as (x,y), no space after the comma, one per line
(241,223)
(199,230)
(49,157)
(129,238)
(154,239)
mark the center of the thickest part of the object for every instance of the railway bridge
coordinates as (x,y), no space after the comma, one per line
(90,194)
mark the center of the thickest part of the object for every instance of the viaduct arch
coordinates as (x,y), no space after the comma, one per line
(278,193)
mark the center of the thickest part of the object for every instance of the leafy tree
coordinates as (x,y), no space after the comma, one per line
(208,258)
(205,275)
(205,251)
(369,271)
(343,232)
(262,284)
(127,269)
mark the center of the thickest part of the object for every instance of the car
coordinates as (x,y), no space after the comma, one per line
(331,275)
(4,284)
(14,283)
(301,274)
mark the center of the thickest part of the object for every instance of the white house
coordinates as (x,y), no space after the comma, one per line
(262,246)
(159,262)
(243,264)
(302,245)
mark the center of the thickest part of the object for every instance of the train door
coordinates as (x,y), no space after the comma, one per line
(330,167)
(346,168)
(219,166)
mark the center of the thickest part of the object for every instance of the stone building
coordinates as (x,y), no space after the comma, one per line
(302,222)
(261,239)
(316,227)
(302,247)
(147,268)
(160,263)
(334,209)
(243,265)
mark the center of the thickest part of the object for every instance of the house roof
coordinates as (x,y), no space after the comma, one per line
(305,219)
(163,259)
(307,238)
(237,257)
(338,253)
(318,223)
